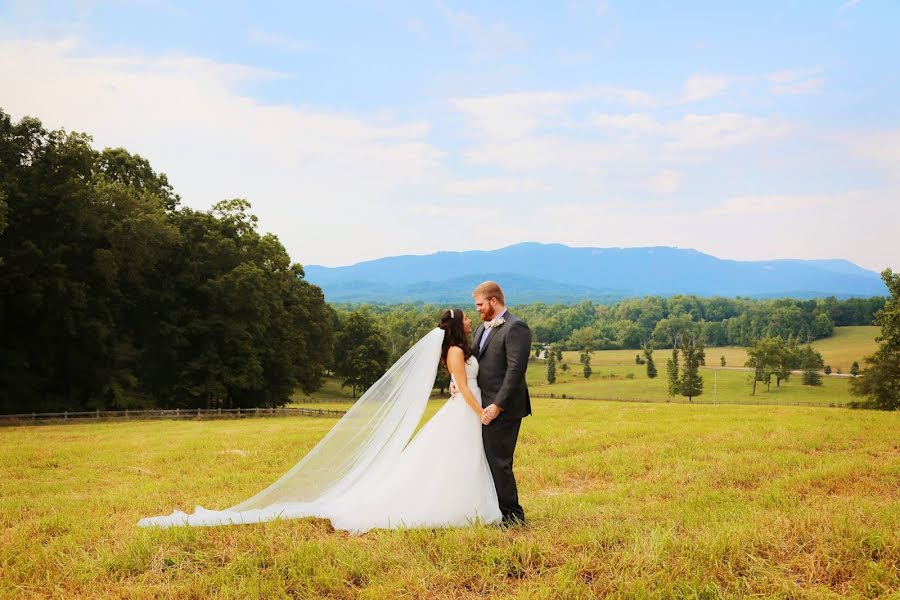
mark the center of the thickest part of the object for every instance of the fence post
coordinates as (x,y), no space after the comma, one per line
(177,412)
(98,414)
(198,411)
(34,416)
(126,414)
(239,411)
(256,412)
(66,415)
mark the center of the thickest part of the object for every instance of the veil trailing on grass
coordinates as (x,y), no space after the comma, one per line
(361,447)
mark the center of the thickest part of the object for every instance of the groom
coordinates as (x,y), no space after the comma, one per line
(502,345)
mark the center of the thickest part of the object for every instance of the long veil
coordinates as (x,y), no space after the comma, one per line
(362,446)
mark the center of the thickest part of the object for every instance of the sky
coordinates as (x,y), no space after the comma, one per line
(357,130)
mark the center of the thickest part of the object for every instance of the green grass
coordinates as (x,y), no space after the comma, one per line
(848,344)
(625,501)
(720,385)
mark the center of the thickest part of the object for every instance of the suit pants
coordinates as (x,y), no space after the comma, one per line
(500,439)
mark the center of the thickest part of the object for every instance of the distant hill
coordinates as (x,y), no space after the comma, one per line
(532,272)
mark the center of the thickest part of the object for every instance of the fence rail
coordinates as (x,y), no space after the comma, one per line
(683,401)
(176,413)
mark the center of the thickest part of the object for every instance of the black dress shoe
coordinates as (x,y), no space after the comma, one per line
(512,521)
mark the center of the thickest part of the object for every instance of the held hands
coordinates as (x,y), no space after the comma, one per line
(490,413)
(487,415)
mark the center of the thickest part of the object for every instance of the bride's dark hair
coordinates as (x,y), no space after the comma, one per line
(454,333)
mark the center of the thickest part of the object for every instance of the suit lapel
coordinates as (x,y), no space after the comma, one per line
(492,334)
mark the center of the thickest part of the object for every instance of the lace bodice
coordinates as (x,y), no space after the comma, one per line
(471,373)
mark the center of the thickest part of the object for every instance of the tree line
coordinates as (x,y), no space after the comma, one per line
(114,295)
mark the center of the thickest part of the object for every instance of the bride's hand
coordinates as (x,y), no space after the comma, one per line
(454,389)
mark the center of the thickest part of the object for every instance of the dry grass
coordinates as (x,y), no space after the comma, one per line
(626,501)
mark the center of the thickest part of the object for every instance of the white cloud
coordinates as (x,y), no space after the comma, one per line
(709,132)
(495,186)
(513,115)
(302,167)
(771,204)
(702,87)
(850,4)
(796,82)
(666,181)
(275,40)
(880,148)
(695,132)
(633,124)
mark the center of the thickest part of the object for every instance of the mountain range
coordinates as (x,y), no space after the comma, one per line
(533,272)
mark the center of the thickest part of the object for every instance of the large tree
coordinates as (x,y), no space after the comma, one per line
(811,362)
(360,351)
(113,296)
(691,383)
(765,357)
(879,382)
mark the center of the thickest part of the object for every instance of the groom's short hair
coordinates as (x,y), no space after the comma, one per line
(489,289)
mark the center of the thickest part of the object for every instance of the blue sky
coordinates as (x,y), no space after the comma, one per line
(747,130)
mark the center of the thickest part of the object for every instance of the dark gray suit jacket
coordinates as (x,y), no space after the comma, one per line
(501,367)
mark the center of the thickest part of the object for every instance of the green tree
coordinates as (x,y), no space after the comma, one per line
(691,384)
(551,367)
(442,379)
(765,358)
(788,360)
(112,296)
(360,351)
(854,368)
(722,360)
(810,362)
(879,383)
(674,382)
(586,361)
(648,359)
(827,369)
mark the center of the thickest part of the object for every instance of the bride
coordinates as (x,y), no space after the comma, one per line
(366,473)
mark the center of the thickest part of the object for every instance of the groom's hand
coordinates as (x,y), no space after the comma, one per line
(490,413)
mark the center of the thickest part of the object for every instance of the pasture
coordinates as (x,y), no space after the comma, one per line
(616,376)
(624,500)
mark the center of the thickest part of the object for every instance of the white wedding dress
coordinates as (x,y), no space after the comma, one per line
(361,477)
(441,479)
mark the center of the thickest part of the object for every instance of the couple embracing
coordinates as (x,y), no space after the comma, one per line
(367,473)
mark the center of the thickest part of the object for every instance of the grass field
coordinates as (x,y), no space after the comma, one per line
(625,500)
(615,375)
(848,344)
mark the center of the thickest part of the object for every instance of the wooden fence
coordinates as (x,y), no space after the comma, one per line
(177,413)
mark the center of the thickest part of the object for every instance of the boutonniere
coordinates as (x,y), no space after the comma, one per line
(497,322)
